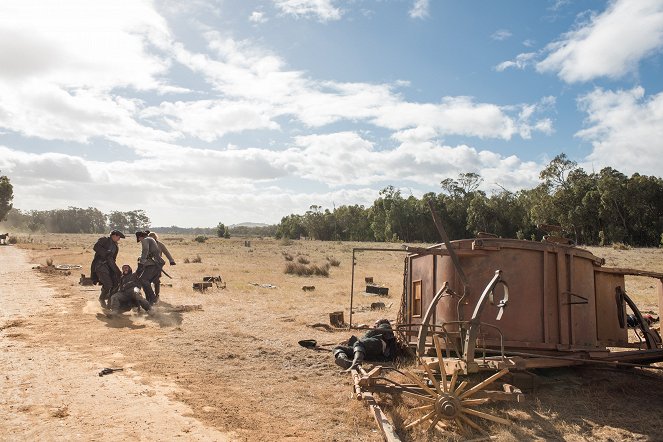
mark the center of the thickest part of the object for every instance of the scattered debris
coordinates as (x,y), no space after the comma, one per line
(377,289)
(106,371)
(186,308)
(377,306)
(308,288)
(265,286)
(201,286)
(368,279)
(207,283)
(68,266)
(326,327)
(217,280)
(85,280)
(336,319)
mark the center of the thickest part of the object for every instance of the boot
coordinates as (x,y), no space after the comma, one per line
(102,302)
(341,359)
(357,360)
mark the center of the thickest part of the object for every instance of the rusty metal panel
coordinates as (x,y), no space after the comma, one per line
(421,269)
(608,331)
(581,298)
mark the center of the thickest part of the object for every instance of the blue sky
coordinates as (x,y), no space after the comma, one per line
(230,111)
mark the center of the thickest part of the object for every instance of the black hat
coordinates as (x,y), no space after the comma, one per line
(140,234)
(117,233)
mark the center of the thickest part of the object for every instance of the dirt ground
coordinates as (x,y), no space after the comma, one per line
(233,369)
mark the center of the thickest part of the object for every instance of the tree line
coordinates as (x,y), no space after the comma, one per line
(591,208)
(77,220)
(595,208)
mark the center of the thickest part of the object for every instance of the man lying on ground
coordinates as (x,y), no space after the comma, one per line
(378,344)
(128,295)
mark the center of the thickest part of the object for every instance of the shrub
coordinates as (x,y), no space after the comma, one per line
(320,270)
(186,261)
(293,268)
(287,256)
(201,238)
(197,259)
(620,246)
(286,242)
(14,240)
(333,261)
(303,260)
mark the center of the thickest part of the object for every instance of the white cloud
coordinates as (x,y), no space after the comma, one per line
(501,34)
(61,64)
(521,62)
(323,10)
(610,44)
(420,9)
(212,119)
(258,17)
(625,128)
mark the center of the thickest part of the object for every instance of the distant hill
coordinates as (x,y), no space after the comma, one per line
(249,225)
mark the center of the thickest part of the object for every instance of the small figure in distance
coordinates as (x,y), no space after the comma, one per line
(377,344)
(162,249)
(103,269)
(128,296)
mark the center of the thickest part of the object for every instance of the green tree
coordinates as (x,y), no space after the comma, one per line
(222,231)
(6,196)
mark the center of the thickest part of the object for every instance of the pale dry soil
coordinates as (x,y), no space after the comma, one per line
(234,370)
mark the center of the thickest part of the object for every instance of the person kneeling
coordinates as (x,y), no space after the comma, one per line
(128,296)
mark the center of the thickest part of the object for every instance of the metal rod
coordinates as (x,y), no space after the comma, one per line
(352,287)
(582,361)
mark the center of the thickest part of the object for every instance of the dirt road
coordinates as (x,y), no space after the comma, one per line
(49,393)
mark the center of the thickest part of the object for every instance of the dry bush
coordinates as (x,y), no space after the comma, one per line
(197,259)
(187,260)
(287,256)
(303,260)
(201,238)
(293,268)
(286,242)
(333,261)
(621,246)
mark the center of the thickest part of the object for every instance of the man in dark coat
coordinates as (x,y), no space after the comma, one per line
(378,344)
(128,295)
(104,270)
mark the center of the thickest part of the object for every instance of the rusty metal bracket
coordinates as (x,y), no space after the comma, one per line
(585,300)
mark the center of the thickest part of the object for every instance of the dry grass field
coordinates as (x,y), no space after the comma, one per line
(236,364)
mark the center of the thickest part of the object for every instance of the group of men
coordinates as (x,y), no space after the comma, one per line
(120,288)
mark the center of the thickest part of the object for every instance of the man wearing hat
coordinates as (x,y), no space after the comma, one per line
(149,264)
(104,270)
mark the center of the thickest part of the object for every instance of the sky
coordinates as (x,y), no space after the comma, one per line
(233,111)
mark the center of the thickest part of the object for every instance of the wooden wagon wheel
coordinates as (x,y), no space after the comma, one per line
(449,404)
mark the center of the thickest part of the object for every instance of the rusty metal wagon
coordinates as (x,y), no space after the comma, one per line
(475,310)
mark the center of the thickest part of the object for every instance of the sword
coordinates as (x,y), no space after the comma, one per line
(164,272)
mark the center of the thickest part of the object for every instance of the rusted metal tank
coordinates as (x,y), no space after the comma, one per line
(560,296)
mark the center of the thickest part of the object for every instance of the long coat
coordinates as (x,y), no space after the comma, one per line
(104,252)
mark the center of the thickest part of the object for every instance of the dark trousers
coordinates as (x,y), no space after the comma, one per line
(146,278)
(108,280)
(125,300)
